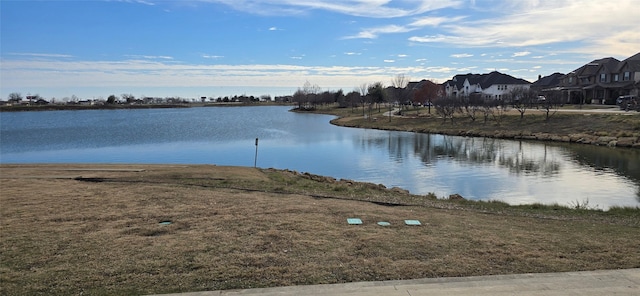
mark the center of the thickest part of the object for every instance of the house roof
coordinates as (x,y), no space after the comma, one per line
(592,68)
(633,62)
(548,81)
(485,80)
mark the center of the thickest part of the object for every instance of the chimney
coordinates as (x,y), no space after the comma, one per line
(539,76)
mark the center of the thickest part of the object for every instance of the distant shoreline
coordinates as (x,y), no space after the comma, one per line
(55,107)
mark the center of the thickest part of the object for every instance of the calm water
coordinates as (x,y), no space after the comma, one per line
(513,171)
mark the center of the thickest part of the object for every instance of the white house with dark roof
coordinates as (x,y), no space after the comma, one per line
(494,85)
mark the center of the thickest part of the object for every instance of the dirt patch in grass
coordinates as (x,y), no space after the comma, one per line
(96,229)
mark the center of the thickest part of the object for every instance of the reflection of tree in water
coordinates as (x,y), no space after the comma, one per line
(520,157)
(624,162)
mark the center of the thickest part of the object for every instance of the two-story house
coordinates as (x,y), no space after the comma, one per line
(494,85)
(602,81)
(548,84)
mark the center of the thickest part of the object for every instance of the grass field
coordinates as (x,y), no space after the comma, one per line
(96,229)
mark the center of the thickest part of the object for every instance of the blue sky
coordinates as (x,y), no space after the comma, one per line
(193,48)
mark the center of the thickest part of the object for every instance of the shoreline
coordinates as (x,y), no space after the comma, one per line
(569,126)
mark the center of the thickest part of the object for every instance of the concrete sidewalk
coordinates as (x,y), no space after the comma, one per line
(590,283)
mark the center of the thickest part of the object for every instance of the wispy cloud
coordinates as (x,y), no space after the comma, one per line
(461,55)
(149,57)
(534,23)
(521,54)
(214,57)
(360,8)
(434,21)
(150,3)
(149,73)
(373,33)
(40,55)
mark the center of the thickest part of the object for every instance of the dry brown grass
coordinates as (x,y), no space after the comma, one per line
(243,228)
(587,122)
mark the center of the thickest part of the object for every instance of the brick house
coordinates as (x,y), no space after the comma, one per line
(602,81)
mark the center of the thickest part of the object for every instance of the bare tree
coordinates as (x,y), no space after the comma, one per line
(472,106)
(364,89)
(522,99)
(550,103)
(500,109)
(400,93)
(487,110)
(446,107)
(15,97)
(400,81)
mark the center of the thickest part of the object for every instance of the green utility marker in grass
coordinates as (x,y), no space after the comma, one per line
(354,221)
(412,222)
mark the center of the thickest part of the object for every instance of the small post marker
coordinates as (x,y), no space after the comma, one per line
(255,160)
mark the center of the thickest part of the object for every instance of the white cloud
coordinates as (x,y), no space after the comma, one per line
(461,55)
(541,22)
(389,61)
(373,33)
(360,8)
(41,55)
(435,21)
(215,57)
(150,57)
(434,39)
(34,74)
(521,54)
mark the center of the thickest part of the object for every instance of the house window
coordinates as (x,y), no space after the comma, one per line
(603,77)
(616,77)
(626,76)
(570,79)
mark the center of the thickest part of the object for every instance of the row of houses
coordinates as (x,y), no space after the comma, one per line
(600,81)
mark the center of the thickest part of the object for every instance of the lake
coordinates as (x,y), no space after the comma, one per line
(516,172)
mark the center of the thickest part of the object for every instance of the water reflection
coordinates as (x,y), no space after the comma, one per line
(624,162)
(514,171)
(478,168)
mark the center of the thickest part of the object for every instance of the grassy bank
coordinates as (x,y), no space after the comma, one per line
(587,126)
(96,229)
